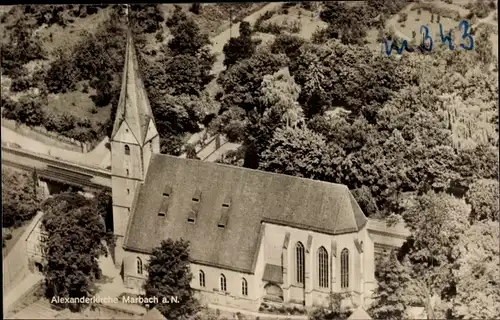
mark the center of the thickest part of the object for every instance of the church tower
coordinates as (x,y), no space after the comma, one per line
(133,141)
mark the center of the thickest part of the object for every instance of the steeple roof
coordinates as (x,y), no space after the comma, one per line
(133,105)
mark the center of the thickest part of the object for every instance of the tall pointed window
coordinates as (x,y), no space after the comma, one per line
(244,287)
(139,266)
(127,150)
(323,267)
(299,262)
(202,279)
(344,268)
(223,286)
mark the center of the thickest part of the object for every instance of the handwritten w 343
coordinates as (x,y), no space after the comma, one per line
(427,42)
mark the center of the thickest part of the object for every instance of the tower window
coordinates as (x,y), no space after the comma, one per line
(139,266)
(128,191)
(127,150)
(127,172)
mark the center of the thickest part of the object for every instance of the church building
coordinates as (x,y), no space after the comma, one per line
(254,236)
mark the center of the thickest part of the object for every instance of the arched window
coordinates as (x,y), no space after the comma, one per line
(127,150)
(127,172)
(202,278)
(139,266)
(300,259)
(344,268)
(223,286)
(244,287)
(323,267)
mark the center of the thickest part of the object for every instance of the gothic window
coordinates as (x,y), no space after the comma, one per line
(139,266)
(127,150)
(300,259)
(344,269)
(244,287)
(323,267)
(223,286)
(202,279)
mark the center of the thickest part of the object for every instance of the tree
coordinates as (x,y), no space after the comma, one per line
(74,232)
(484,48)
(344,22)
(146,17)
(483,198)
(389,296)
(297,152)
(241,83)
(240,48)
(287,44)
(187,38)
(21,47)
(478,293)
(169,275)
(195,8)
(20,199)
(336,75)
(436,221)
(278,107)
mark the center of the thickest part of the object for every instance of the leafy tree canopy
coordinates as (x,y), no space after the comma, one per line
(20,198)
(74,232)
(169,275)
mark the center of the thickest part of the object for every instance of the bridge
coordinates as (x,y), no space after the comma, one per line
(51,169)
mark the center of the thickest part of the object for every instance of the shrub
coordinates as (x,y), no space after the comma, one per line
(159,36)
(402,17)
(448,1)
(21,83)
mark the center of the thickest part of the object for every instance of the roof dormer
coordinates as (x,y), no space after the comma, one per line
(226,207)
(195,206)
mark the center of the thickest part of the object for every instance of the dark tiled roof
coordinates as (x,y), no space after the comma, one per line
(256,196)
(133,105)
(273,273)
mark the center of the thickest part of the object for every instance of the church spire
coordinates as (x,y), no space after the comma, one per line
(133,106)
